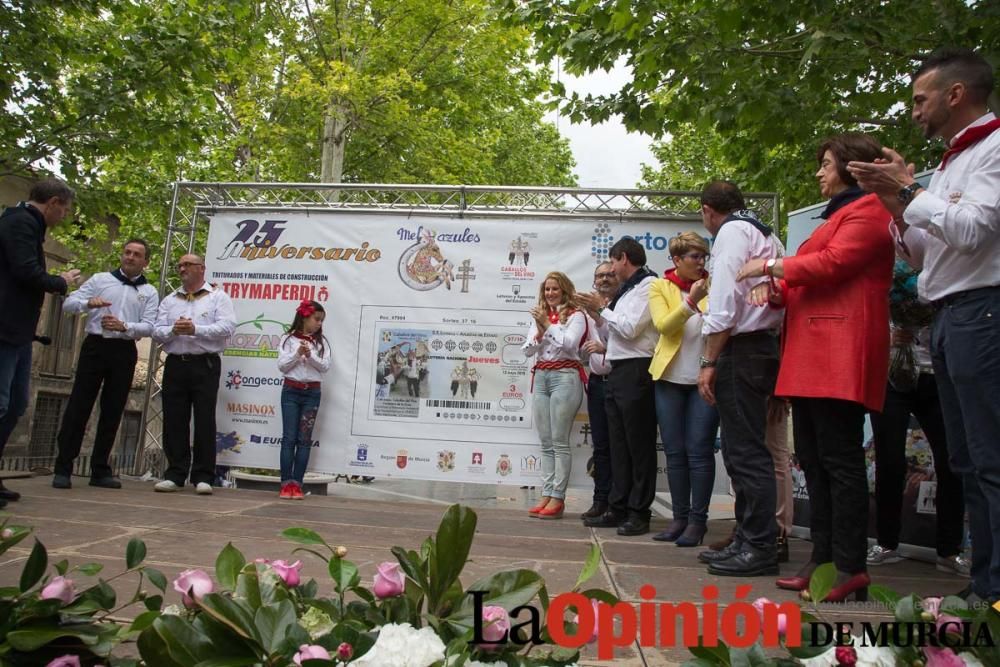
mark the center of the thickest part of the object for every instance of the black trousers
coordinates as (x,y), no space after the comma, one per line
(889,430)
(632,430)
(190,384)
(829,440)
(744,379)
(105,366)
(599,436)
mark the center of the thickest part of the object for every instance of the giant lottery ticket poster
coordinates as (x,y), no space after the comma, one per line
(426,318)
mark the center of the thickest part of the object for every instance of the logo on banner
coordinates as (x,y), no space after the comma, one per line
(253,343)
(503,465)
(361,457)
(256,240)
(601,242)
(423,266)
(235,379)
(402,459)
(228,442)
(531,464)
(477,458)
(255,409)
(446,460)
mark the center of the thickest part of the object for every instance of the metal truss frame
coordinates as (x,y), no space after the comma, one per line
(194,202)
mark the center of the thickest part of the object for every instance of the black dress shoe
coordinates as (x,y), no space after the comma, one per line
(106,482)
(61,482)
(634,526)
(596,510)
(712,556)
(746,563)
(7,494)
(607,520)
(782,549)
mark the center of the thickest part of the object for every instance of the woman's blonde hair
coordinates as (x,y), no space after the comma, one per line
(568,305)
(685,242)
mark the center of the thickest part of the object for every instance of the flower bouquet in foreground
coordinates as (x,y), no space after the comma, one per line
(924,632)
(416,613)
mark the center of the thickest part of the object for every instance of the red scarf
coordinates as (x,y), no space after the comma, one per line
(971,136)
(684,284)
(554,315)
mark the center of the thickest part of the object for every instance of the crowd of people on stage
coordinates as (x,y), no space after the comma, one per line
(737,336)
(732,336)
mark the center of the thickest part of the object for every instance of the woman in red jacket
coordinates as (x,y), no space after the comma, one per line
(834,358)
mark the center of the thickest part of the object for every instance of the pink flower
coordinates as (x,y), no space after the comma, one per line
(289,572)
(262,561)
(594,602)
(932,606)
(65,661)
(59,588)
(846,656)
(389,580)
(192,585)
(942,657)
(496,625)
(760,604)
(310,652)
(345,651)
(7,532)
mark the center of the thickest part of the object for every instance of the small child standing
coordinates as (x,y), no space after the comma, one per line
(303,357)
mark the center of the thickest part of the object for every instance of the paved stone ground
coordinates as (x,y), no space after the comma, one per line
(183,530)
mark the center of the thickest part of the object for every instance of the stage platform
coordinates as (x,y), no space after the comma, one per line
(183,530)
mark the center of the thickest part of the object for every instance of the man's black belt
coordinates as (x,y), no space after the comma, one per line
(615,363)
(950,299)
(194,357)
(95,338)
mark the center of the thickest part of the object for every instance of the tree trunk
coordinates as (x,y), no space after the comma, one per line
(334,143)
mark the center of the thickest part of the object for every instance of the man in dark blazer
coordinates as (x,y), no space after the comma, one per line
(23,284)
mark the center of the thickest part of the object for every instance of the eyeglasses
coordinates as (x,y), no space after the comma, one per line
(181,265)
(697,256)
(604,276)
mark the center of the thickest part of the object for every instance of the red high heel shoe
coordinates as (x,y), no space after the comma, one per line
(540,506)
(850,585)
(800,581)
(553,511)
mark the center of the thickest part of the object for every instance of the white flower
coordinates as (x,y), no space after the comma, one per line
(970,660)
(826,659)
(172,610)
(402,645)
(874,656)
(316,623)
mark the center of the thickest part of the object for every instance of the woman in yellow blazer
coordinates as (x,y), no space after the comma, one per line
(687,423)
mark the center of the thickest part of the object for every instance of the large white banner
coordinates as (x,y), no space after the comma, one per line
(425,319)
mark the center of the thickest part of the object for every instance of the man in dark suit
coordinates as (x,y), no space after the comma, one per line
(23,284)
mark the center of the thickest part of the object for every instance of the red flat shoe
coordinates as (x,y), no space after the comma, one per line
(800,581)
(286,491)
(540,506)
(553,511)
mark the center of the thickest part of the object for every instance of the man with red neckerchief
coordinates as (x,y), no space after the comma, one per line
(951,230)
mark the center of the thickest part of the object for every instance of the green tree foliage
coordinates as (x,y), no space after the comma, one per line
(123,97)
(765,81)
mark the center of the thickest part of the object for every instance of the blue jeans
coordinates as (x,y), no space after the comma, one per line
(298,416)
(555,402)
(687,429)
(15,374)
(965,349)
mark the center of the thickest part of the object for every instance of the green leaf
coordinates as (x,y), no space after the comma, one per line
(153,649)
(821,582)
(884,595)
(62,567)
(153,602)
(248,587)
(89,569)
(143,621)
(273,624)
(908,609)
(33,638)
(450,552)
(34,567)
(412,566)
(135,553)
(228,565)
(184,643)
(303,536)
(715,655)
(507,589)
(344,574)
(590,566)
(156,578)
(232,614)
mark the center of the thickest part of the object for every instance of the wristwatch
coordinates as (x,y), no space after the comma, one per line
(769,267)
(706,363)
(906,195)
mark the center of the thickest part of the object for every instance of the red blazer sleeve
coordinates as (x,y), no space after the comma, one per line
(858,240)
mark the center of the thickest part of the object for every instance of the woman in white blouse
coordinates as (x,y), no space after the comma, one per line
(558,377)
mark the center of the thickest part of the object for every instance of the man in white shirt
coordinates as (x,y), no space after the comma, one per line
(192,325)
(738,371)
(121,308)
(951,230)
(627,326)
